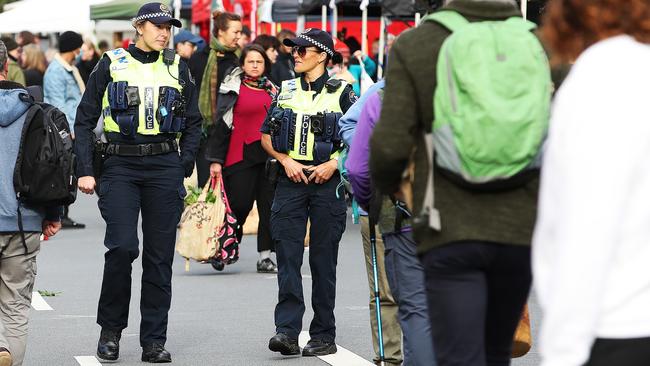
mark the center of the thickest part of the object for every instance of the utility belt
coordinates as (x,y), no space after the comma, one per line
(139,149)
(124,107)
(324,127)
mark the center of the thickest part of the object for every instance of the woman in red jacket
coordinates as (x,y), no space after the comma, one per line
(235,150)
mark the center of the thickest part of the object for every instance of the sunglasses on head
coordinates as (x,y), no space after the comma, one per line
(301,50)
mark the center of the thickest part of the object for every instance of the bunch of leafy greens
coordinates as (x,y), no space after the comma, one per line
(194,193)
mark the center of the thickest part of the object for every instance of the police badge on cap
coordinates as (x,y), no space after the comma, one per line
(157,13)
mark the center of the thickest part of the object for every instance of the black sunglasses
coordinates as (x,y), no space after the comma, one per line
(301,50)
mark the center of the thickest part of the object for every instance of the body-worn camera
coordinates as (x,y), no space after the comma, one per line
(171,110)
(317,122)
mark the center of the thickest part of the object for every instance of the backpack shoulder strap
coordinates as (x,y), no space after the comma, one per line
(30,115)
(449,19)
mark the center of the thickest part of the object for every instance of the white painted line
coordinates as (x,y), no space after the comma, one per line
(38,303)
(342,357)
(87,361)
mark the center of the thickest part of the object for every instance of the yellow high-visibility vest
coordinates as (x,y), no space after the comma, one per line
(148,78)
(303,104)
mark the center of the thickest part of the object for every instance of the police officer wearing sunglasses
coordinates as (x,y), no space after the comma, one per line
(147,98)
(301,132)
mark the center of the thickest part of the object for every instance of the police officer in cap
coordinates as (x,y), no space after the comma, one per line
(147,98)
(301,133)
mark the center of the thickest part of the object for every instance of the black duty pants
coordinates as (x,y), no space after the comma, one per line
(292,205)
(130,186)
(628,352)
(244,187)
(476,293)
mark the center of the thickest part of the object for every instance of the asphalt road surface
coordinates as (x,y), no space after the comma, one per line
(217,318)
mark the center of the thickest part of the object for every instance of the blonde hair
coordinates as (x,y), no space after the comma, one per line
(34,58)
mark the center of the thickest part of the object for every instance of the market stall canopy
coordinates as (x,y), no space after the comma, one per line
(47,16)
(289,10)
(396,8)
(201,11)
(117,9)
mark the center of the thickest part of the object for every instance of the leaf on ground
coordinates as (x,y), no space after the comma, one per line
(46,293)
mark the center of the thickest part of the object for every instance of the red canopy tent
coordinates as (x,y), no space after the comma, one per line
(348,18)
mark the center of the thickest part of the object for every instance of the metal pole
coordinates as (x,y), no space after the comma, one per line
(417,19)
(335,21)
(364,31)
(177,14)
(323,20)
(253,19)
(524,8)
(300,24)
(382,44)
(373,254)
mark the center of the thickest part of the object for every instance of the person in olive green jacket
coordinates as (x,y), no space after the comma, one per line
(15,72)
(478,266)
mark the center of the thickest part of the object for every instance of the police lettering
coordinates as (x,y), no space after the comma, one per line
(304,128)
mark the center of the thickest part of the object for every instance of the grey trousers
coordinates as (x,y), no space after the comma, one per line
(407,282)
(17,275)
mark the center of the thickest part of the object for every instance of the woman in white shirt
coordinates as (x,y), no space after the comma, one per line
(591,249)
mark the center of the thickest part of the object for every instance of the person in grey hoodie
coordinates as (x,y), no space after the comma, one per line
(17,259)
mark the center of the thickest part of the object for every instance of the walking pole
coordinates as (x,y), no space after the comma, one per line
(373,254)
(382,44)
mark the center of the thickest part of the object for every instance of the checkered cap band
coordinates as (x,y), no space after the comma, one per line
(317,44)
(151,15)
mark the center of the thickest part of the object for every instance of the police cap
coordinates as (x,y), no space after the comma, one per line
(157,13)
(313,37)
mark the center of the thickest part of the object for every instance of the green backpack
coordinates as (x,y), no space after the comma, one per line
(492,101)
(491,105)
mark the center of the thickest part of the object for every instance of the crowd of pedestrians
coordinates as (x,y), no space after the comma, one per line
(476,168)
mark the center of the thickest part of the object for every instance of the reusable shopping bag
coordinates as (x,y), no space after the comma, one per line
(252,221)
(228,250)
(200,224)
(522,341)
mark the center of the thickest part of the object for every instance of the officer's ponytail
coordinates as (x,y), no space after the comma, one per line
(337,58)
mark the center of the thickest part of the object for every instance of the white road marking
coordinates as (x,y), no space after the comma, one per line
(38,303)
(87,361)
(342,357)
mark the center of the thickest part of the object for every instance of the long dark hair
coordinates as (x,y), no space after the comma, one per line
(256,48)
(267,41)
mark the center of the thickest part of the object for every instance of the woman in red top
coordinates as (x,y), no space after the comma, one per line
(235,150)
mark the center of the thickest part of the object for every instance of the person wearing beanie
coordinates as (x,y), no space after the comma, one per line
(15,72)
(62,88)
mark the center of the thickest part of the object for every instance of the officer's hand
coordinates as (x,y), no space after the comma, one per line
(87,184)
(50,228)
(215,170)
(294,170)
(323,172)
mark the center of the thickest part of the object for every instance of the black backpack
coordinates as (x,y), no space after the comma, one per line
(44,174)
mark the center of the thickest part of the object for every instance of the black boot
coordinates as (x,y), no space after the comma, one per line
(284,344)
(108,347)
(317,347)
(155,353)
